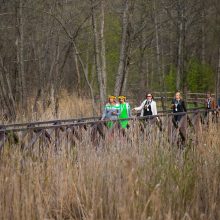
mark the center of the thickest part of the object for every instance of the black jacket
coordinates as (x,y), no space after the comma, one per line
(181,107)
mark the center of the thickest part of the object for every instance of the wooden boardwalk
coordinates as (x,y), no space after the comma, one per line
(53,132)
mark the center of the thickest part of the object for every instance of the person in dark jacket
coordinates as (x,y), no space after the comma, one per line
(210,105)
(210,101)
(178,106)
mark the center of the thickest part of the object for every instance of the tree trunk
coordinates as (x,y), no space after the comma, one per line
(151,60)
(78,74)
(9,103)
(54,79)
(180,45)
(103,57)
(98,63)
(20,56)
(123,51)
(142,69)
(163,72)
(6,90)
(86,74)
(203,34)
(85,69)
(218,78)
(143,66)
(158,53)
(125,80)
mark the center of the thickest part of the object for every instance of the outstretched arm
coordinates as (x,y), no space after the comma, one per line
(140,107)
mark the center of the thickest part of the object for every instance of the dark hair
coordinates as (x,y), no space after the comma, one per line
(150,94)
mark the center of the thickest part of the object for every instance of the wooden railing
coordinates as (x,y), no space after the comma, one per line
(54,132)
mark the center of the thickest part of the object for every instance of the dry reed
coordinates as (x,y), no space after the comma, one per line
(140,177)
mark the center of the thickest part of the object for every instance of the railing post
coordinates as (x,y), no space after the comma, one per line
(170,128)
(183,128)
(2,139)
(197,125)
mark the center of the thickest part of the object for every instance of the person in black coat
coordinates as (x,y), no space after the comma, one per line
(178,106)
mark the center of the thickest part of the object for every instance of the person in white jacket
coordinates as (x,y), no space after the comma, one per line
(148,106)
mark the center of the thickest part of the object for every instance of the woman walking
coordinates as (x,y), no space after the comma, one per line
(125,111)
(148,106)
(178,106)
(111,111)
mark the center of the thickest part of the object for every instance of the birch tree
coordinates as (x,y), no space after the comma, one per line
(99,48)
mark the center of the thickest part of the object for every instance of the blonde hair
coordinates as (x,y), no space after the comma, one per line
(178,93)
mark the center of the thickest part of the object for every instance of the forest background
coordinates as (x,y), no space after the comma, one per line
(52,49)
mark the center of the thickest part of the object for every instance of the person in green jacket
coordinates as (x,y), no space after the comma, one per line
(125,111)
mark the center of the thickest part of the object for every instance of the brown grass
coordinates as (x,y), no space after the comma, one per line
(70,106)
(140,178)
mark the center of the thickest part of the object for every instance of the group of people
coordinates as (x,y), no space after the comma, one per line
(121,109)
(114,110)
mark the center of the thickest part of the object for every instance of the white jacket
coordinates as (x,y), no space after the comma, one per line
(153,107)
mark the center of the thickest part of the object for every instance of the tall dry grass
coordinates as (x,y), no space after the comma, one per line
(140,178)
(69,106)
(136,178)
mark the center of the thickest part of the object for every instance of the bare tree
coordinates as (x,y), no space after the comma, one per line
(6,91)
(124,59)
(218,77)
(99,51)
(103,52)
(158,49)
(65,45)
(203,31)
(20,54)
(180,16)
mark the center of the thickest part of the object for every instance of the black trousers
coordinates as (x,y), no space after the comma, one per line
(177,118)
